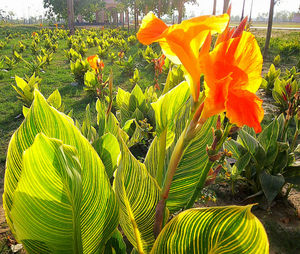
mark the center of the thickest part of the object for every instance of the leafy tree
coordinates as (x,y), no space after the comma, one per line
(179,6)
(84,7)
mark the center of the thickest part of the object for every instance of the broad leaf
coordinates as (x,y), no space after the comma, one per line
(137,99)
(122,100)
(190,168)
(268,139)
(232,230)
(115,244)
(152,157)
(253,146)
(108,149)
(271,185)
(241,163)
(292,174)
(47,200)
(235,147)
(138,194)
(280,162)
(168,105)
(99,209)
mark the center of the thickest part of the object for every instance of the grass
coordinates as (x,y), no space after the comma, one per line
(275,25)
(58,76)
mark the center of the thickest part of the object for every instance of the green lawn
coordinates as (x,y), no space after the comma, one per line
(56,76)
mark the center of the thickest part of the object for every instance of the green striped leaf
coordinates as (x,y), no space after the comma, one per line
(99,208)
(167,107)
(47,199)
(152,157)
(232,229)
(122,100)
(138,194)
(190,168)
(108,149)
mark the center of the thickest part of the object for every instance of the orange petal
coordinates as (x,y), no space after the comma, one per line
(249,59)
(151,29)
(206,46)
(181,42)
(238,32)
(216,96)
(243,58)
(192,33)
(93,61)
(244,108)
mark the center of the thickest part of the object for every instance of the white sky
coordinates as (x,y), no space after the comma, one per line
(25,8)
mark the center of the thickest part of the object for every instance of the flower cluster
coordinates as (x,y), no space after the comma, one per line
(232,70)
(96,63)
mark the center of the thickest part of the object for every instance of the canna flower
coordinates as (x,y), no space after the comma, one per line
(121,54)
(95,62)
(34,34)
(181,42)
(232,73)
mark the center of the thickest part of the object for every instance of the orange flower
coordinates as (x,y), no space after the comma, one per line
(101,65)
(95,62)
(232,73)
(34,34)
(181,43)
(121,54)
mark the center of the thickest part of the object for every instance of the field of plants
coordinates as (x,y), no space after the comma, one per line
(109,138)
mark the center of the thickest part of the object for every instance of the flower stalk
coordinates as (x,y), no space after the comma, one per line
(214,150)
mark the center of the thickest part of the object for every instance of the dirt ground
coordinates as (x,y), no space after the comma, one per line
(281,221)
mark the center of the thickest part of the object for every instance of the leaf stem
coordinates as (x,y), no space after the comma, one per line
(174,161)
(294,140)
(208,166)
(162,152)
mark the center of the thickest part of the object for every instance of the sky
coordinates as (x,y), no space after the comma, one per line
(27,8)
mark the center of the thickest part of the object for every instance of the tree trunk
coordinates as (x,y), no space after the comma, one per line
(135,13)
(250,17)
(180,10)
(225,6)
(97,16)
(70,4)
(122,18)
(159,9)
(269,31)
(127,19)
(242,16)
(215,7)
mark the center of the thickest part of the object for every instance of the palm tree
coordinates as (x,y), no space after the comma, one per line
(269,31)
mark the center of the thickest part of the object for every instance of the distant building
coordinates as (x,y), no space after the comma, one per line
(110,4)
(296,17)
(101,16)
